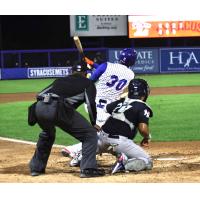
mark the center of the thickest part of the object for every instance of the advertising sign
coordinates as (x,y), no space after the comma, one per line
(48,72)
(147,60)
(98,25)
(179,60)
(156,26)
(24,73)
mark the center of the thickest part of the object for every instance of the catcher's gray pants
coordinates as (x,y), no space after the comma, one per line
(120,144)
(80,128)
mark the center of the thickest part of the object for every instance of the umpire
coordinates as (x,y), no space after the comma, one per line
(56,106)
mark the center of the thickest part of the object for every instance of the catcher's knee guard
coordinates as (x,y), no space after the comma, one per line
(135,164)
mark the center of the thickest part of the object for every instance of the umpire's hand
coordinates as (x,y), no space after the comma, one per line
(98,128)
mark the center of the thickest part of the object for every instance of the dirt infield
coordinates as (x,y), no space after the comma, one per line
(154,91)
(177,162)
(173,162)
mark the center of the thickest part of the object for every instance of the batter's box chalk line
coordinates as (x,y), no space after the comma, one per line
(170,158)
(26,142)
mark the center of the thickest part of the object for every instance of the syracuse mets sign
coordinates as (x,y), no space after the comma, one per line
(180,60)
(48,72)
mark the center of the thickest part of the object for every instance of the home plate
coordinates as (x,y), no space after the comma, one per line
(180,158)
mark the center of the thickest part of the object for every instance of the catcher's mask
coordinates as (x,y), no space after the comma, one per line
(99,58)
(80,67)
(138,88)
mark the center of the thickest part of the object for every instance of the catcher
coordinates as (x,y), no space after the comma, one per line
(127,116)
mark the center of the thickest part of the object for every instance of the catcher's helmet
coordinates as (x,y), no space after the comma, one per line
(128,56)
(99,58)
(79,67)
(138,88)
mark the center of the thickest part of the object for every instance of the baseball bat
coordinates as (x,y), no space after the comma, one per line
(79,46)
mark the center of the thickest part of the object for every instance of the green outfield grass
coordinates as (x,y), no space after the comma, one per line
(30,85)
(168,80)
(176,118)
(35,85)
(13,124)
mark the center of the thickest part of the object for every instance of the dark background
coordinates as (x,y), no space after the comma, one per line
(22,32)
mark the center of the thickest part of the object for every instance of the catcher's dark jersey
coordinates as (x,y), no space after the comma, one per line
(75,90)
(126,114)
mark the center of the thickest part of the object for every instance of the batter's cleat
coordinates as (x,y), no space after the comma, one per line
(90,173)
(135,165)
(119,164)
(67,152)
(76,160)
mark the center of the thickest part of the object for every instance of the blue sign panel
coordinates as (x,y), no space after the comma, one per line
(174,60)
(13,73)
(48,72)
(147,60)
(24,73)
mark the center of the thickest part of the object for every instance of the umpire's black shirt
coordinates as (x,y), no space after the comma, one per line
(75,89)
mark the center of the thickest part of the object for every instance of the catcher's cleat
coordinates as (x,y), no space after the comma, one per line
(119,164)
(118,167)
(89,173)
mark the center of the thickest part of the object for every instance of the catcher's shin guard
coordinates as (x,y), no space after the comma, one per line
(135,165)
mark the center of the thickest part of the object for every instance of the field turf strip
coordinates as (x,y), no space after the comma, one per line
(165,80)
(176,118)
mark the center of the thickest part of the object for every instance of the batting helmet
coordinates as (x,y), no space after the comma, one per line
(138,88)
(128,57)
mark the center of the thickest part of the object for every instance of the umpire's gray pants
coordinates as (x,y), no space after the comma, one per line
(80,128)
